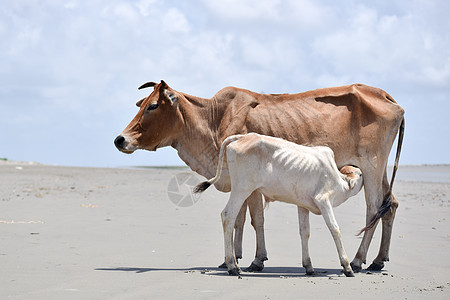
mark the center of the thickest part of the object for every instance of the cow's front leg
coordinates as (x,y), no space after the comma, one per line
(303,224)
(255,205)
(239,231)
(229,216)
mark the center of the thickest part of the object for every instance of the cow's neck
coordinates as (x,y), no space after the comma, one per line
(198,145)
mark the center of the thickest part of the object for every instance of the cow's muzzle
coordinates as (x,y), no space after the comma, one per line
(122,144)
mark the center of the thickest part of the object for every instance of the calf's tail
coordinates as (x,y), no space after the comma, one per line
(387,201)
(201,187)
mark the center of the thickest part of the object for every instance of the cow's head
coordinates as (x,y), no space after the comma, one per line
(157,123)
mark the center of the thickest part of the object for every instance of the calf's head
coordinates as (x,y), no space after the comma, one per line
(156,125)
(353,176)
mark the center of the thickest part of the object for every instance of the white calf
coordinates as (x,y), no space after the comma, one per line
(305,176)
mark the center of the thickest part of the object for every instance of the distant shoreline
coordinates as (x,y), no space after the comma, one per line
(4,161)
(438,173)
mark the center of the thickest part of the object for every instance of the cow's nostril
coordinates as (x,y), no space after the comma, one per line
(119,141)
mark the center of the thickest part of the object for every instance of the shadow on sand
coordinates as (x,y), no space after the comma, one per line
(268,272)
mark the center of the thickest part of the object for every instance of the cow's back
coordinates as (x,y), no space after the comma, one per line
(347,118)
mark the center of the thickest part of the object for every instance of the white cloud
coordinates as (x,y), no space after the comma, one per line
(27,38)
(144,6)
(244,10)
(387,23)
(2,28)
(282,16)
(256,53)
(71,4)
(306,14)
(383,47)
(438,75)
(175,21)
(125,11)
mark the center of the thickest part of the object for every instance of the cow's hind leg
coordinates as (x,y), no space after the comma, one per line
(303,224)
(387,223)
(255,205)
(373,194)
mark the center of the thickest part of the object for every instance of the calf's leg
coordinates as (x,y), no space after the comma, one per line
(229,215)
(238,234)
(303,224)
(328,215)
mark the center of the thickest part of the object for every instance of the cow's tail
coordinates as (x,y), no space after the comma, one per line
(201,187)
(387,201)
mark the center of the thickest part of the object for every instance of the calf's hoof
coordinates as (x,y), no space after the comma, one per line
(310,273)
(355,267)
(254,268)
(349,274)
(234,272)
(376,266)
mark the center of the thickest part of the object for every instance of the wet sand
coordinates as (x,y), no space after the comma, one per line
(86,233)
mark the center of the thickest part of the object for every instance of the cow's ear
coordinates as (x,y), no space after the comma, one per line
(138,104)
(170,95)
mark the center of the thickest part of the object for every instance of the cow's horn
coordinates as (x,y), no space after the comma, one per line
(146,85)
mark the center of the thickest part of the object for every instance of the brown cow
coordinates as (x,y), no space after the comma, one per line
(359,123)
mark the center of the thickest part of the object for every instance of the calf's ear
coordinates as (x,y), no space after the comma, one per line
(352,183)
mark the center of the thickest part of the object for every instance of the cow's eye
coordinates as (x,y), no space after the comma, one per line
(152,106)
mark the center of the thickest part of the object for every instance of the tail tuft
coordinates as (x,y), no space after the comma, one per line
(384,208)
(201,187)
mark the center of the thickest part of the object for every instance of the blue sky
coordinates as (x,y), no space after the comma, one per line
(69,70)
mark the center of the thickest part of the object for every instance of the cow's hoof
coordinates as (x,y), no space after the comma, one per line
(254,268)
(349,274)
(355,268)
(376,266)
(310,273)
(224,265)
(234,272)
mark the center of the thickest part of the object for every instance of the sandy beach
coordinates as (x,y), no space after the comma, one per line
(89,233)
